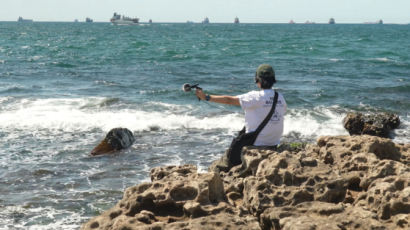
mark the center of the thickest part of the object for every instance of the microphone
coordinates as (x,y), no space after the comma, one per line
(187,87)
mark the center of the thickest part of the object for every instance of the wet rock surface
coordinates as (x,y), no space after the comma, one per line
(341,182)
(115,140)
(371,124)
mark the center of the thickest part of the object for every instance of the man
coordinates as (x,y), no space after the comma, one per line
(257,105)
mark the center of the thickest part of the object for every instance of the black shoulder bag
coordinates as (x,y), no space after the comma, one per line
(246,139)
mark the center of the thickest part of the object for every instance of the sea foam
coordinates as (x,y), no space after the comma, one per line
(78,115)
(67,115)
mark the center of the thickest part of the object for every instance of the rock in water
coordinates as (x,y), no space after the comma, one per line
(116,139)
(372,124)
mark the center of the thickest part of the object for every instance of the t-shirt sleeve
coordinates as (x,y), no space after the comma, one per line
(248,100)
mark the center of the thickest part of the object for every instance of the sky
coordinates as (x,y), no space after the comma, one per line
(248,11)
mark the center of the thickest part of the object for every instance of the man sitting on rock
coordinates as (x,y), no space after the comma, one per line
(257,105)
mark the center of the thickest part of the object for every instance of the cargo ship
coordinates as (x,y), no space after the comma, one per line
(21,19)
(118,19)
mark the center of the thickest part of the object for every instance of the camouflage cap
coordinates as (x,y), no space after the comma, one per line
(265,71)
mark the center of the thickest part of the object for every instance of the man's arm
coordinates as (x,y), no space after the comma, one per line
(223,99)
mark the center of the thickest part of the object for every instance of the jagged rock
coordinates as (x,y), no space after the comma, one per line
(342,182)
(321,216)
(115,140)
(371,124)
(388,196)
(177,193)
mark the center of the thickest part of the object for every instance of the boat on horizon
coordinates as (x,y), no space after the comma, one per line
(118,19)
(236,21)
(309,22)
(21,19)
(206,20)
(332,21)
(291,22)
(379,22)
(89,20)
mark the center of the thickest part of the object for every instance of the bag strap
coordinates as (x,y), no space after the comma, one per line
(267,118)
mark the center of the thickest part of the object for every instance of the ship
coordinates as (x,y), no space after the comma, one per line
(118,19)
(206,20)
(236,21)
(291,22)
(89,20)
(380,22)
(21,19)
(309,22)
(332,21)
(150,21)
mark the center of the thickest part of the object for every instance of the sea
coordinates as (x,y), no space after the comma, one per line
(63,86)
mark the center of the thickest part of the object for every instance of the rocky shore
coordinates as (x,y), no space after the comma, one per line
(340,182)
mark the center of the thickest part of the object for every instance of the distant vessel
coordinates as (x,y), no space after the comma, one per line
(332,21)
(117,19)
(291,22)
(236,21)
(21,19)
(380,22)
(88,20)
(76,20)
(150,21)
(309,22)
(206,20)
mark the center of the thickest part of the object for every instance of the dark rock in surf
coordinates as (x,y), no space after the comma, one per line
(116,139)
(371,124)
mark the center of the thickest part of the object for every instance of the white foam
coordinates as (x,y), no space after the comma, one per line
(382,59)
(67,115)
(73,115)
(402,134)
(306,122)
(335,59)
(70,221)
(34,58)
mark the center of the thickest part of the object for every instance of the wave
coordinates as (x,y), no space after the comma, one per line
(63,65)
(312,123)
(19,217)
(86,114)
(392,89)
(381,59)
(69,115)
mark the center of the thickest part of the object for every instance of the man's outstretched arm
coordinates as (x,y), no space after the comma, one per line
(223,99)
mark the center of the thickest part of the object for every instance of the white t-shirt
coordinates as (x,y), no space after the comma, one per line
(257,105)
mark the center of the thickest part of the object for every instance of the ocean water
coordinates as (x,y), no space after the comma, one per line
(63,86)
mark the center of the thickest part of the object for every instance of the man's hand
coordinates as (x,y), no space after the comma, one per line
(200,94)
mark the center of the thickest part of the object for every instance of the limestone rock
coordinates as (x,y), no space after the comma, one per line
(320,215)
(341,182)
(115,140)
(177,195)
